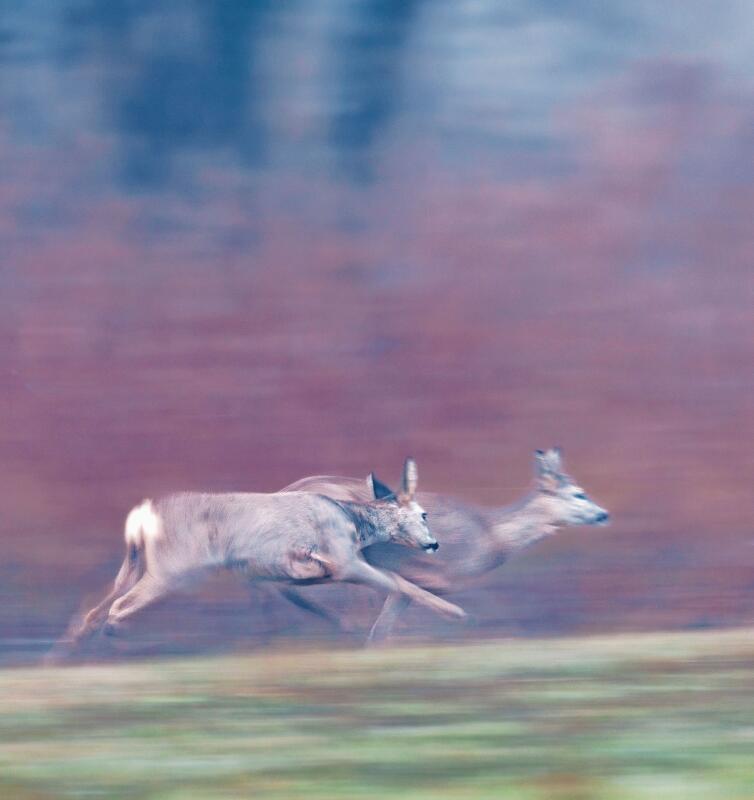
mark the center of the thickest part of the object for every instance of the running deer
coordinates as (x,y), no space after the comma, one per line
(475,539)
(294,538)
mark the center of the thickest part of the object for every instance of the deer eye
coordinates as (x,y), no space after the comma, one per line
(580,496)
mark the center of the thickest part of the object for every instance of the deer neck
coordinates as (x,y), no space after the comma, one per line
(517,527)
(373,523)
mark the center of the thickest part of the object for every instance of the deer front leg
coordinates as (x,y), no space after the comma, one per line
(394,606)
(358,571)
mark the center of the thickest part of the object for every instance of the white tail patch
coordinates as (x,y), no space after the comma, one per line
(142,525)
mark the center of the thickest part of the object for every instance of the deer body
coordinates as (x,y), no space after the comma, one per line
(265,536)
(290,538)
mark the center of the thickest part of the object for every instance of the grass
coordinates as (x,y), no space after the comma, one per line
(609,718)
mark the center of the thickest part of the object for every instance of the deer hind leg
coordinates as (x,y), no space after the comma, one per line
(146,590)
(395,605)
(129,574)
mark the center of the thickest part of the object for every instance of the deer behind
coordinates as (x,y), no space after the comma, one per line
(475,539)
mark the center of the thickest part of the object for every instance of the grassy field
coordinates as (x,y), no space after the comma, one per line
(609,718)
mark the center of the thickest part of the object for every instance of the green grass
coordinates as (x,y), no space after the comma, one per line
(610,718)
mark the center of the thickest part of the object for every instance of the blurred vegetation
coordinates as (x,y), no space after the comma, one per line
(629,716)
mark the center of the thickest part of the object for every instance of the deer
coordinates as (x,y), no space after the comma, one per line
(476,540)
(291,538)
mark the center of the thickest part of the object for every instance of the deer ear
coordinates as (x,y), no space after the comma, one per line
(554,459)
(545,477)
(540,463)
(548,461)
(379,489)
(410,478)
(548,468)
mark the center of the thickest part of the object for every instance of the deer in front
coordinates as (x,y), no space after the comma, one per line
(293,538)
(475,539)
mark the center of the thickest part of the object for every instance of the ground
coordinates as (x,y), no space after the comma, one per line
(611,718)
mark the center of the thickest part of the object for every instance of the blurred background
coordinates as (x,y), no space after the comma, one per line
(243,242)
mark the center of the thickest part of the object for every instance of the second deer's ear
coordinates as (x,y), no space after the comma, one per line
(545,477)
(547,468)
(548,461)
(410,478)
(379,489)
(554,458)
(540,463)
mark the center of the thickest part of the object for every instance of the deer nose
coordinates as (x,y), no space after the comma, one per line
(603,516)
(431,546)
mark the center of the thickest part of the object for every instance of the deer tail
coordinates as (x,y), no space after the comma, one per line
(142,526)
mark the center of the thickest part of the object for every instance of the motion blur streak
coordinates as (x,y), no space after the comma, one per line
(628,717)
(247,242)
